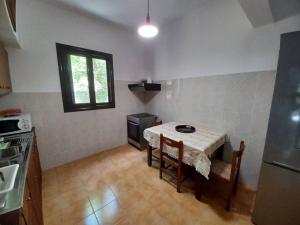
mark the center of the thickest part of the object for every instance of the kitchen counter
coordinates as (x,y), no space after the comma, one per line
(14,199)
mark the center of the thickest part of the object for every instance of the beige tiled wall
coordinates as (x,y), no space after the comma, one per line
(237,103)
(64,137)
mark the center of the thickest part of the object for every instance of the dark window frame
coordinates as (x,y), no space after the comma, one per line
(66,83)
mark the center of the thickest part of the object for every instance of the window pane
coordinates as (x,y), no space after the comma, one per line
(80,79)
(100,80)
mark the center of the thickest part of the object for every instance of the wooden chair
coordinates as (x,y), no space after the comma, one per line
(153,152)
(166,159)
(229,171)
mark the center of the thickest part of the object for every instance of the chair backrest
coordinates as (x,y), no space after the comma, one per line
(177,145)
(236,160)
(155,123)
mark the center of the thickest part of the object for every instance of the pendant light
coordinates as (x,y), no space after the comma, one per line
(148,30)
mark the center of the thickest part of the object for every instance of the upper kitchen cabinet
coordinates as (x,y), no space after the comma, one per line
(5,84)
(8,28)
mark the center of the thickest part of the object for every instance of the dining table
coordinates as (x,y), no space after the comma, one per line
(199,147)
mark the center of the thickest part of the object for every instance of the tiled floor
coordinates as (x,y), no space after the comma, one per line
(117,187)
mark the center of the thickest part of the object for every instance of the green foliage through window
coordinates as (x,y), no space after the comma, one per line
(80,79)
(86,78)
(100,80)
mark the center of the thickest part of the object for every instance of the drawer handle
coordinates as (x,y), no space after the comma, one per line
(28,198)
(282,165)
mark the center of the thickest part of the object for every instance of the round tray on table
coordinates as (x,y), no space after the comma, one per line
(185,129)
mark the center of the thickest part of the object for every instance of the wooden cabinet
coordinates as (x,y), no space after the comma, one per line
(28,216)
(32,208)
(11,9)
(8,23)
(5,84)
(27,206)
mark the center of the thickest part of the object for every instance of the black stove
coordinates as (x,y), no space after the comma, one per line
(136,124)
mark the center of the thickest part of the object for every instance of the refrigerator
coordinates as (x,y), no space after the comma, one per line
(278,191)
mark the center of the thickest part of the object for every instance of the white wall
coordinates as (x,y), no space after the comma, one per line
(34,67)
(238,104)
(63,137)
(217,39)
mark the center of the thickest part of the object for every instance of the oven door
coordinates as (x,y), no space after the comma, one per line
(133,130)
(10,126)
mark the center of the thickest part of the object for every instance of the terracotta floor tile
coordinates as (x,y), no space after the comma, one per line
(49,183)
(76,212)
(49,192)
(90,220)
(62,202)
(74,195)
(101,197)
(242,220)
(111,177)
(94,184)
(51,220)
(67,170)
(49,173)
(133,199)
(112,213)
(150,218)
(122,187)
(117,187)
(88,173)
(68,183)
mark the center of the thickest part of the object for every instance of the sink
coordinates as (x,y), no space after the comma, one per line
(9,174)
(9,152)
(11,155)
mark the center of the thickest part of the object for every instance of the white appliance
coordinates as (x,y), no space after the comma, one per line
(14,124)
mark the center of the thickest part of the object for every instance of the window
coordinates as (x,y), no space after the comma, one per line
(86,78)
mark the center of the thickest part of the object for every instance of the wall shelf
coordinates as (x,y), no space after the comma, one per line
(144,87)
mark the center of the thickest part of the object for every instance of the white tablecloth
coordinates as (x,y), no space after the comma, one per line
(198,146)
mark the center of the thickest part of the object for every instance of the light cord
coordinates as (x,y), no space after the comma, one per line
(148,13)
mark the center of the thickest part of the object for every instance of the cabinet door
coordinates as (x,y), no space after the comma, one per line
(34,187)
(37,161)
(5,84)
(11,8)
(38,175)
(22,220)
(38,186)
(27,205)
(28,216)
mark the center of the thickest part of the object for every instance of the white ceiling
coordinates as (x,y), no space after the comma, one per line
(282,10)
(262,12)
(131,13)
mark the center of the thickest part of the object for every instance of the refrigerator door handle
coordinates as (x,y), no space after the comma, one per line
(295,169)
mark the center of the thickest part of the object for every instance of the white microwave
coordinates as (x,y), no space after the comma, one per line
(14,124)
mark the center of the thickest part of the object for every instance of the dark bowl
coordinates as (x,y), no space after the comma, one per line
(185,129)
